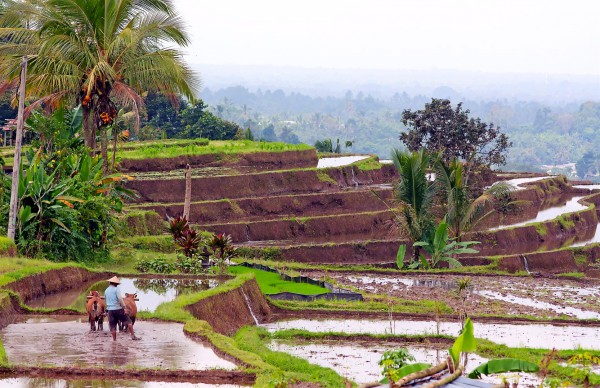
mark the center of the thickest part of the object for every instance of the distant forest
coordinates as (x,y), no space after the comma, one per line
(541,135)
(564,136)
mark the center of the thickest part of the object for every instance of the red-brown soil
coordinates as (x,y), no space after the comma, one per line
(561,293)
(270,207)
(228,312)
(259,184)
(266,160)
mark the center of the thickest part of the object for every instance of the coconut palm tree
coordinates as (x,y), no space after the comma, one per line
(462,211)
(99,53)
(414,193)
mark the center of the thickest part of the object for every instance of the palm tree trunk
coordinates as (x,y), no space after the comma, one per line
(104,149)
(14,191)
(416,251)
(115,132)
(188,192)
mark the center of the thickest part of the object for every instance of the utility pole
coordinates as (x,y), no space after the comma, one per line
(14,191)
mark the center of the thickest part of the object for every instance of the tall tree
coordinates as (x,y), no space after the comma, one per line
(102,52)
(441,128)
(414,193)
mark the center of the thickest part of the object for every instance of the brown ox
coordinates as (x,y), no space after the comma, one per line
(96,309)
(130,309)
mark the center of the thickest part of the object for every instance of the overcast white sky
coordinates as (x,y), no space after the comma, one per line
(533,36)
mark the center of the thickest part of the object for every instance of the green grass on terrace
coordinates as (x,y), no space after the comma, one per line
(225,147)
(271,283)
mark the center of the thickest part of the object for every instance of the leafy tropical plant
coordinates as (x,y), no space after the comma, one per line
(395,365)
(159,264)
(177,226)
(462,211)
(440,248)
(503,365)
(222,249)
(97,53)
(414,195)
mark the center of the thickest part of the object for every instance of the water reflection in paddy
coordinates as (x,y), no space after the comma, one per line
(29,382)
(515,335)
(572,205)
(340,161)
(151,292)
(66,341)
(360,362)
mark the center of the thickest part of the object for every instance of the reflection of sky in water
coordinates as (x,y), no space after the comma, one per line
(571,206)
(149,299)
(339,161)
(26,382)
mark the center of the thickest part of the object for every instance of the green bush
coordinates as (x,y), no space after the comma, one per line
(191,264)
(158,265)
(7,247)
(163,244)
(140,223)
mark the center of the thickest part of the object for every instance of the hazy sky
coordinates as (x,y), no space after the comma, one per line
(540,36)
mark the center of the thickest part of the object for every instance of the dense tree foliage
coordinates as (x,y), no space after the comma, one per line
(441,128)
(541,134)
(181,119)
(96,53)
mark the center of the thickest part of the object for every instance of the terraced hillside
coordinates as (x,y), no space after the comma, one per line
(278,204)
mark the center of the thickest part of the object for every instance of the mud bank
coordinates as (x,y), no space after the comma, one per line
(345,226)
(260,184)
(547,235)
(264,208)
(227,312)
(53,281)
(266,160)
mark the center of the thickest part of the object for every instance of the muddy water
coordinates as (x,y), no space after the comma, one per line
(359,362)
(339,162)
(572,205)
(514,335)
(30,382)
(519,182)
(488,295)
(151,292)
(64,341)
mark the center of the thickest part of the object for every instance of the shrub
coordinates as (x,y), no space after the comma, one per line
(158,265)
(189,264)
(7,247)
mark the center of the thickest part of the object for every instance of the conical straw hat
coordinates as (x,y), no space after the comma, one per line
(114,279)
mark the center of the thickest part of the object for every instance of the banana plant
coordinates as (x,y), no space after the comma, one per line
(442,248)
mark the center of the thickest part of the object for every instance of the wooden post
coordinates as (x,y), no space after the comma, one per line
(14,191)
(188,192)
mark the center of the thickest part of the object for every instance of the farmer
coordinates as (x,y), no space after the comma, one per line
(115,307)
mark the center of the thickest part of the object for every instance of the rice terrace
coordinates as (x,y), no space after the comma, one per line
(154,239)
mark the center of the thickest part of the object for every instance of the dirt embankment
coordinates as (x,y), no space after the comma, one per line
(53,281)
(229,311)
(259,184)
(340,227)
(265,208)
(265,160)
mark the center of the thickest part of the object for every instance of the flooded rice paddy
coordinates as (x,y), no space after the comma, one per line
(359,362)
(489,295)
(151,292)
(66,341)
(513,335)
(340,161)
(570,206)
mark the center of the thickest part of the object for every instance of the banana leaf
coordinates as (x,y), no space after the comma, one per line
(400,256)
(464,343)
(502,365)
